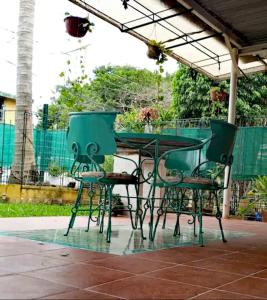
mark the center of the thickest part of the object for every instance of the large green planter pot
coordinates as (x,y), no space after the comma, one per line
(91,133)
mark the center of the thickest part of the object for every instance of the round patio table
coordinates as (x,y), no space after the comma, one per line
(152,146)
(152,143)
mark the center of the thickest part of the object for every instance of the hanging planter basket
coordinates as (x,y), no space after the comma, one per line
(217,95)
(153,52)
(76,26)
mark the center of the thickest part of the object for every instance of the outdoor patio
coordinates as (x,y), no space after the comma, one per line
(177,270)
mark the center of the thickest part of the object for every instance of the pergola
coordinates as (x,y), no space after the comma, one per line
(222,39)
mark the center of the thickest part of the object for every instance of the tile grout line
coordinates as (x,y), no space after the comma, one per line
(97,292)
(116,280)
(236,280)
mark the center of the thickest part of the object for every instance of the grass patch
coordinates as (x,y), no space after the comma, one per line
(35,210)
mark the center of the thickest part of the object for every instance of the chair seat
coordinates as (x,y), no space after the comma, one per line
(123,178)
(190,182)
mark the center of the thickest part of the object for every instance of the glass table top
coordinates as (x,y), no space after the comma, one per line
(124,240)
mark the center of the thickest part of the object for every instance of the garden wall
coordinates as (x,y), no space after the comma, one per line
(38,194)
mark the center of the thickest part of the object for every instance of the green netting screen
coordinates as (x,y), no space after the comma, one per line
(250,152)
(7,132)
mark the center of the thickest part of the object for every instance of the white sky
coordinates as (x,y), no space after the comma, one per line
(106,45)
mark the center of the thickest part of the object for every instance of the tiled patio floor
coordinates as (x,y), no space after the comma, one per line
(235,270)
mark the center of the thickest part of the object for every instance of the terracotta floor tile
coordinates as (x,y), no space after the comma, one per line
(167,256)
(201,252)
(227,266)
(81,294)
(132,264)
(142,287)
(23,287)
(24,246)
(76,255)
(247,258)
(79,275)
(220,295)
(259,250)
(28,262)
(196,276)
(248,286)
(262,274)
(182,254)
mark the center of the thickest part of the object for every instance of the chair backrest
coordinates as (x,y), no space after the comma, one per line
(184,161)
(91,134)
(221,145)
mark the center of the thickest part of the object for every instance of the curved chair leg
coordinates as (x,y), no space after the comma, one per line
(139,212)
(179,209)
(160,212)
(177,230)
(99,205)
(199,215)
(102,209)
(219,216)
(169,194)
(129,205)
(164,218)
(75,208)
(109,195)
(91,194)
(196,201)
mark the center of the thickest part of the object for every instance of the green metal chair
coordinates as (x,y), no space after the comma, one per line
(90,137)
(189,173)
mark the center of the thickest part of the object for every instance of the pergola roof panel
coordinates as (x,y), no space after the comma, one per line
(246,17)
(194,30)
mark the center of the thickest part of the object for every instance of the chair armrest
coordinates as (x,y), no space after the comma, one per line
(180,161)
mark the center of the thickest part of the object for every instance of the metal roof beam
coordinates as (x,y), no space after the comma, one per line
(153,20)
(193,41)
(212,21)
(255,49)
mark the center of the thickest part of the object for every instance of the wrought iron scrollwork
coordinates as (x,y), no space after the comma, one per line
(92,149)
(75,149)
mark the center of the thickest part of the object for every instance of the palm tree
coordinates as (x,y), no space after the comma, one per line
(24,163)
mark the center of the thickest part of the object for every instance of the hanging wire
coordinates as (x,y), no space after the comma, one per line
(125,4)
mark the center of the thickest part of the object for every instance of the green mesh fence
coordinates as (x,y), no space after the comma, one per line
(250,152)
(50,148)
(7,133)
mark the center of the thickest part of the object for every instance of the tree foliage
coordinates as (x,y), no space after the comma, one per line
(113,88)
(191,98)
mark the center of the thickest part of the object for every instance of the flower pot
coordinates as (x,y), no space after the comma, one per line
(76,26)
(148,128)
(153,52)
(217,95)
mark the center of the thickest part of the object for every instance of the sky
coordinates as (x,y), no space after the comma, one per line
(53,47)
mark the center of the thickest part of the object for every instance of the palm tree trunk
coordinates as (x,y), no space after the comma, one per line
(24,165)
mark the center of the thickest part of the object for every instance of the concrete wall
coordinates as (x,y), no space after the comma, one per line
(9,110)
(39,194)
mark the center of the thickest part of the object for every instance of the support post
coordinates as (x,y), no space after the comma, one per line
(231,119)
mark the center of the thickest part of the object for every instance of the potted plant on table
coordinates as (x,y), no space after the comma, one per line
(77,26)
(146,115)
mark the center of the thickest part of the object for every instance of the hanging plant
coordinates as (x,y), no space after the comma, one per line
(156,50)
(217,94)
(77,26)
